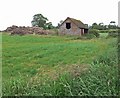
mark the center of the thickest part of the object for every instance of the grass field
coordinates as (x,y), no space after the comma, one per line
(58,66)
(103,35)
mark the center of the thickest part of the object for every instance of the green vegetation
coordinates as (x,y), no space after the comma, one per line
(41,21)
(101,26)
(95,32)
(103,35)
(59,66)
(113,33)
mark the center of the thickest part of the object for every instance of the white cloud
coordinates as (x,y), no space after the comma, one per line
(20,12)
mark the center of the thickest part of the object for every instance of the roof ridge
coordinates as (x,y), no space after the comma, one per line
(78,23)
(77,20)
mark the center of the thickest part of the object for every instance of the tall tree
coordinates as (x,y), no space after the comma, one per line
(41,21)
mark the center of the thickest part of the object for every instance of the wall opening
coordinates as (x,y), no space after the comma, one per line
(68,25)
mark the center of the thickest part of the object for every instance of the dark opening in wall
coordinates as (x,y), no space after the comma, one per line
(68,25)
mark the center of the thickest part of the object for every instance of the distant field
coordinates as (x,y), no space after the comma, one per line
(45,65)
(103,35)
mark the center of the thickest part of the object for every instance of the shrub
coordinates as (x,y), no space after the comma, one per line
(89,36)
(104,31)
(94,32)
(113,33)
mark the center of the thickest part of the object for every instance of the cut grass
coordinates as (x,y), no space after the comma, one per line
(56,65)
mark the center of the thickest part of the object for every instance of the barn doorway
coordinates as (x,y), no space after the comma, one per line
(68,25)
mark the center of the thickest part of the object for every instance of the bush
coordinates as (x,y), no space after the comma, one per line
(104,31)
(113,33)
(94,32)
(89,36)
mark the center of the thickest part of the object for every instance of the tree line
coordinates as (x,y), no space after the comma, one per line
(42,21)
(101,26)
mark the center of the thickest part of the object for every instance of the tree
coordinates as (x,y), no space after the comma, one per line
(49,25)
(112,25)
(41,21)
(95,26)
(99,26)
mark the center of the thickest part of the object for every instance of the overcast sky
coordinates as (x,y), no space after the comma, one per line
(20,12)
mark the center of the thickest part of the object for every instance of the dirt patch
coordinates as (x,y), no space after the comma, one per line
(53,73)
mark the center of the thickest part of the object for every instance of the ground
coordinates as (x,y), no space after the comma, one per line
(34,60)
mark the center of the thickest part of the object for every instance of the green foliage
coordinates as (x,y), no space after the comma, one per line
(113,33)
(104,31)
(49,25)
(89,36)
(112,25)
(41,21)
(99,26)
(94,32)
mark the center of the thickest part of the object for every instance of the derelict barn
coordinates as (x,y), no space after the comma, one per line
(73,27)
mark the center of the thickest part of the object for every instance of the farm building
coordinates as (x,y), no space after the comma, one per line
(73,27)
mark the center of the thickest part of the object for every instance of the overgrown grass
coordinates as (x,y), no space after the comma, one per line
(58,66)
